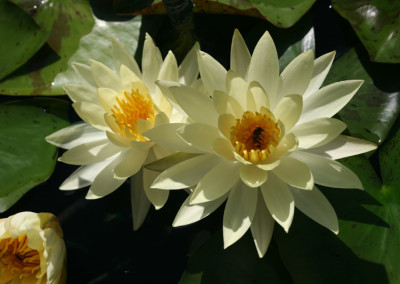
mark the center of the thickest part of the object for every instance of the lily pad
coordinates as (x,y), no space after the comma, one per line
(26,159)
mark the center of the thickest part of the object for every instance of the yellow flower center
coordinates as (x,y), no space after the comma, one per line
(255,136)
(17,260)
(130,108)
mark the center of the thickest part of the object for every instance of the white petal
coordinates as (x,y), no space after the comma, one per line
(321,68)
(216,182)
(90,153)
(107,98)
(256,97)
(212,73)
(294,173)
(264,66)
(279,201)
(82,93)
(191,213)
(239,212)
(253,176)
(186,173)
(85,73)
(224,149)
(262,227)
(199,135)
(189,68)
(197,105)
(118,140)
(151,63)
(139,201)
(237,88)
(75,135)
(329,100)
(288,111)
(225,124)
(315,205)
(131,163)
(240,55)
(328,172)
(122,56)
(157,197)
(131,81)
(318,132)
(297,75)
(104,76)
(343,146)
(92,114)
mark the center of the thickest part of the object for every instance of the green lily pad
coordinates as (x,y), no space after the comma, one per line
(377,24)
(24,37)
(26,159)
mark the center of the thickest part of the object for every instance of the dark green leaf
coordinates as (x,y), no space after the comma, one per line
(26,159)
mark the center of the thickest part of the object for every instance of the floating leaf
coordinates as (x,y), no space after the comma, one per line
(26,159)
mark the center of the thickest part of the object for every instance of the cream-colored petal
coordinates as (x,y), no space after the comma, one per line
(199,135)
(90,153)
(186,173)
(107,98)
(130,80)
(321,68)
(157,197)
(287,145)
(295,173)
(191,213)
(279,201)
(123,56)
(92,114)
(252,175)
(84,71)
(239,212)
(264,66)
(237,88)
(104,76)
(220,100)
(118,140)
(83,176)
(342,147)
(216,182)
(140,202)
(151,63)
(297,75)
(161,119)
(131,163)
(212,73)
(328,172)
(82,93)
(189,68)
(164,88)
(169,69)
(224,149)
(288,111)
(329,100)
(144,125)
(262,227)
(225,124)
(315,205)
(198,106)
(256,97)
(75,135)
(240,55)
(318,132)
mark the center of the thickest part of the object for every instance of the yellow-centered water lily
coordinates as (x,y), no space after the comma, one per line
(32,249)
(266,139)
(117,106)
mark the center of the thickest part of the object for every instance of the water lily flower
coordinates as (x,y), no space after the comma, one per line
(117,106)
(32,249)
(266,139)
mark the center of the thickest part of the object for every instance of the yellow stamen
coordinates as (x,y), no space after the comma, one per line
(130,108)
(17,259)
(255,136)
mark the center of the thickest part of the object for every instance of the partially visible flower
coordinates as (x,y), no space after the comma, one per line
(266,138)
(118,106)
(32,249)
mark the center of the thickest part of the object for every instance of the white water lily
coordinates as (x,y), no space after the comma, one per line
(32,249)
(266,139)
(118,105)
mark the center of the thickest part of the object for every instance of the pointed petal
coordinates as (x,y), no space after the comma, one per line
(329,100)
(131,163)
(199,135)
(262,227)
(318,132)
(256,97)
(216,182)
(315,205)
(139,201)
(239,212)
(240,55)
(104,76)
(252,175)
(157,197)
(279,201)
(123,56)
(237,88)
(151,63)
(107,98)
(288,111)
(131,81)
(212,73)
(295,173)
(85,73)
(225,123)
(191,213)
(92,114)
(224,149)
(189,68)
(82,93)
(328,172)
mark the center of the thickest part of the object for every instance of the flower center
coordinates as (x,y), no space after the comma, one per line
(130,108)
(17,260)
(255,136)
